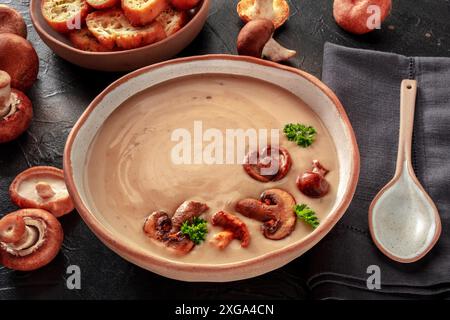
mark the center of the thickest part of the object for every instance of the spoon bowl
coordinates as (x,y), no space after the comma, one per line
(403,220)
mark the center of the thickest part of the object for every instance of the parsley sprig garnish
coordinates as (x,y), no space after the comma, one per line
(303,135)
(195,230)
(306,214)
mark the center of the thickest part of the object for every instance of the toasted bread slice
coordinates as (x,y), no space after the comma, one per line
(142,12)
(172,20)
(84,40)
(277,11)
(65,15)
(112,28)
(102,4)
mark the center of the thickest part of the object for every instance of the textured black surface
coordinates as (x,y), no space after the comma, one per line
(63,91)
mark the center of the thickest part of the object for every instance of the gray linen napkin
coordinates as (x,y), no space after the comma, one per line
(368,85)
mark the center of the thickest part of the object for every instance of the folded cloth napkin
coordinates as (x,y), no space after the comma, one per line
(368,85)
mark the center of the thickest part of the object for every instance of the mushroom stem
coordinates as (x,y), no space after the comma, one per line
(276,52)
(31,240)
(44,190)
(5,94)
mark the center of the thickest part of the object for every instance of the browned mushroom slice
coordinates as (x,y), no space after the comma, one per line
(157,225)
(233,224)
(275,209)
(39,243)
(179,243)
(313,183)
(186,212)
(275,161)
(160,227)
(42,188)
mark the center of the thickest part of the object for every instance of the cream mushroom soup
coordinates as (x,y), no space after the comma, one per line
(130,171)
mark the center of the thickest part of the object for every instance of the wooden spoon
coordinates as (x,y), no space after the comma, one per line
(403,220)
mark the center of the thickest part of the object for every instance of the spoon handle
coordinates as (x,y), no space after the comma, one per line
(408,93)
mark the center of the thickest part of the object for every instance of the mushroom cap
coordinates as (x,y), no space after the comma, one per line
(275,208)
(312,183)
(11,21)
(278,14)
(24,194)
(46,252)
(353,15)
(12,126)
(254,169)
(19,59)
(253,37)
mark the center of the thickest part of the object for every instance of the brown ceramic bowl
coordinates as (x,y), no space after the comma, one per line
(311,90)
(119,60)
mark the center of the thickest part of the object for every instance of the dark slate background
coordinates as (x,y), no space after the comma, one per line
(63,91)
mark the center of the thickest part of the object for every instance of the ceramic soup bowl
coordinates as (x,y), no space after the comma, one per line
(311,90)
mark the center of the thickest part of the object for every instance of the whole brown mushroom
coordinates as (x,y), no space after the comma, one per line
(15,110)
(275,208)
(255,40)
(355,16)
(19,59)
(11,21)
(37,239)
(312,183)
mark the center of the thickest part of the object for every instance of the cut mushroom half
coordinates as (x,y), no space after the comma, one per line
(161,228)
(256,40)
(15,110)
(275,209)
(271,164)
(42,188)
(234,228)
(33,239)
(277,11)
